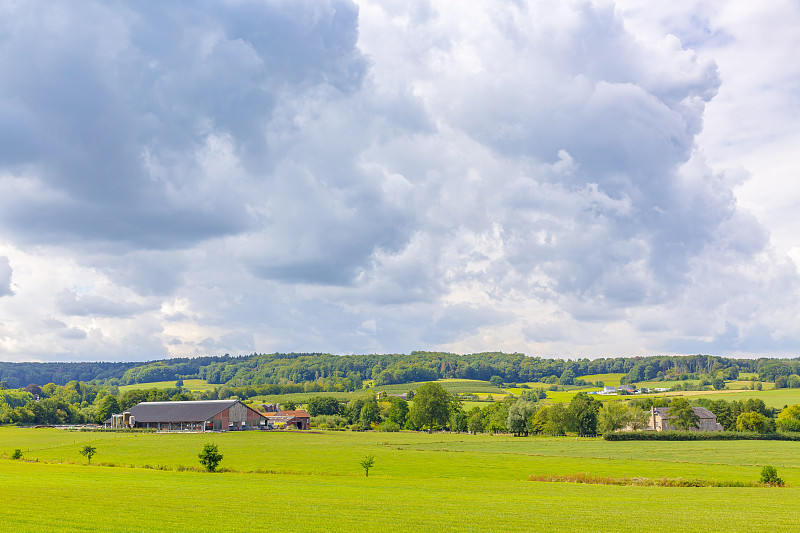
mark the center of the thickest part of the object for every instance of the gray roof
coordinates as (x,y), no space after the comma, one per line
(701,412)
(179,411)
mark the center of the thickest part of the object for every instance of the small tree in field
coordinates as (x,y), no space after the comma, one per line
(769,476)
(367,463)
(88,452)
(210,457)
(17,454)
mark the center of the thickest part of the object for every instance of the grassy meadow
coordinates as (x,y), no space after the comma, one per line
(312,481)
(194,385)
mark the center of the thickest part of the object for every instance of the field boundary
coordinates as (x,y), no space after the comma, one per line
(698,435)
(643,481)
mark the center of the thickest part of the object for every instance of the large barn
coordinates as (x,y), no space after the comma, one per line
(208,415)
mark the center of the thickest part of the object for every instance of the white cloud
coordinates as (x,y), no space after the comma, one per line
(5,277)
(529,176)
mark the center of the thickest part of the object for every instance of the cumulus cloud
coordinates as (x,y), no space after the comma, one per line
(5,277)
(71,303)
(249,176)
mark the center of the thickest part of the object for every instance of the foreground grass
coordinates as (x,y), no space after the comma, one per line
(420,482)
(114,499)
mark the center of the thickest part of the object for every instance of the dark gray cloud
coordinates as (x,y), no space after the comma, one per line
(109,110)
(72,304)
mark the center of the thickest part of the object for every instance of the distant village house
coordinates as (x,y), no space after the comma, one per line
(659,420)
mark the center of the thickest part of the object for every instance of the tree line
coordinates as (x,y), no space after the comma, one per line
(338,373)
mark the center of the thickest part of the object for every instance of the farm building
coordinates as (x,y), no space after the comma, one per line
(209,415)
(659,419)
(297,419)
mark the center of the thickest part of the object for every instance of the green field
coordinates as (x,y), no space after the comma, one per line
(420,482)
(454,386)
(198,385)
(777,398)
(607,379)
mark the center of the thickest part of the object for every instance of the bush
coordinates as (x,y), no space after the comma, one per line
(17,454)
(328,421)
(388,426)
(769,476)
(210,457)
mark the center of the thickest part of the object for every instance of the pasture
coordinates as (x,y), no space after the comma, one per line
(194,385)
(611,380)
(444,482)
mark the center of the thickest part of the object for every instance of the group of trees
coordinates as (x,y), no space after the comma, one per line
(76,402)
(322,372)
(433,408)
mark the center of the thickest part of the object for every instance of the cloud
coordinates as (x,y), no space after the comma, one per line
(5,277)
(247,176)
(122,132)
(70,303)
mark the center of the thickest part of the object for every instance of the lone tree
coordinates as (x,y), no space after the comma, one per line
(431,406)
(613,416)
(367,463)
(518,415)
(769,476)
(88,452)
(210,457)
(583,410)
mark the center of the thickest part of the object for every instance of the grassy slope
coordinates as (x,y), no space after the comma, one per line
(191,384)
(607,379)
(422,482)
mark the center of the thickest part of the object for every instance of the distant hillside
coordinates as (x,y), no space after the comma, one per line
(18,375)
(329,372)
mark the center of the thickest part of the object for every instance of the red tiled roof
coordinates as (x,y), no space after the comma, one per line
(299,413)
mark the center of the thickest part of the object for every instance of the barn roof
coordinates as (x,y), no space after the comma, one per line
(179,411)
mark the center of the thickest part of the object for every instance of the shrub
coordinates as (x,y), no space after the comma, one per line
(329,421)
(769,476)
(210,457)
(388,426)
(17,454)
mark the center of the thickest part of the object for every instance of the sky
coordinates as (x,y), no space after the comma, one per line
(558,178)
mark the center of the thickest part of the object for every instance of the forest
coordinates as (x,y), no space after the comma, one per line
(330,372)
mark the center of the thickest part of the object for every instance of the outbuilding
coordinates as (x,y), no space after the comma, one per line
(207,415)
(277,417)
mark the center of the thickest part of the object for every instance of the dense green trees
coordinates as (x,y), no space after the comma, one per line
(370,414)
(681,414)
(107,407)
(583,413)
(613,416)
(431,407)
(398,411)
(789,418)
(518,414)
(756,422)
(319,372)
(323,405)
